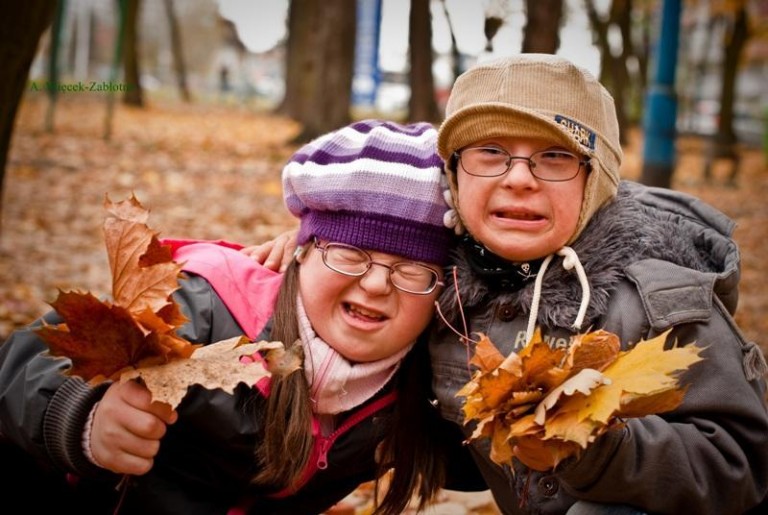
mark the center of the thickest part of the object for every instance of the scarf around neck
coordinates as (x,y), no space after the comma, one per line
(336,384)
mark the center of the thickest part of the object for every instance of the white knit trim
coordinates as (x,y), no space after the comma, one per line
(86,440)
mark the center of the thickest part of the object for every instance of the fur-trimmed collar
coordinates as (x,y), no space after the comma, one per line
(641,223)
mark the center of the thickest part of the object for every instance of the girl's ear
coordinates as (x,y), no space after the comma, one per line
(300,253)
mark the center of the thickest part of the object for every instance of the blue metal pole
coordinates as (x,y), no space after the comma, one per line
(367,76)
(661,102)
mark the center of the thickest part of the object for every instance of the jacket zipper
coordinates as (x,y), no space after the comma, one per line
(323,444)
(326,442)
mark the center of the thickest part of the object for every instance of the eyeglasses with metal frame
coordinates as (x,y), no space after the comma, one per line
(551,165)
(407,276)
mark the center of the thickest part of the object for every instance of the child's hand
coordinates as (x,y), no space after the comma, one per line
(274,254)
(127,428)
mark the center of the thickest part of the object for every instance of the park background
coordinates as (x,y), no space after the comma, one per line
(195,105)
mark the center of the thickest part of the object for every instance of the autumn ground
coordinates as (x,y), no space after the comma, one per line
(214,172)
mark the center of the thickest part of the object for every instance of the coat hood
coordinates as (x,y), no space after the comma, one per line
(642,223)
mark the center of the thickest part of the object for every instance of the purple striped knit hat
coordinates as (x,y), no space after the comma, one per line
(374,184)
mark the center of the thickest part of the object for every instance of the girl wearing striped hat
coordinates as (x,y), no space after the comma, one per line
(353,303)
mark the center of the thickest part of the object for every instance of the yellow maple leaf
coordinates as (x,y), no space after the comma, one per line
(647,369)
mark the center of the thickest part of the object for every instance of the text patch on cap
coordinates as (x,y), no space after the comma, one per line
(581,134)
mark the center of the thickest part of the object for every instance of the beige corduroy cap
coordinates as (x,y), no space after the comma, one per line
(537,95)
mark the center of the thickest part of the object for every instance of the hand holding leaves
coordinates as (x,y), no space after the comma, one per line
(543,405)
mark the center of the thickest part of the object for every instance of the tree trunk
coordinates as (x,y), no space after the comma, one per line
(455,56)
(19,36)
(613,68)
(422,105)
(54,63)
(177,49)
(133,94)
(621,14)
(724,145)
(300,16)
(326,79)
(542,27)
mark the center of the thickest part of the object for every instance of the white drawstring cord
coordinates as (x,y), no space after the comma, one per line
(570,261)
(536,297)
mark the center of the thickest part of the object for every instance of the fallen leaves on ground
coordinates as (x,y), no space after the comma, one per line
(543,405)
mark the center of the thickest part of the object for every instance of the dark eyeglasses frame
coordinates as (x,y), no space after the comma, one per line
(511,159)
(323,248)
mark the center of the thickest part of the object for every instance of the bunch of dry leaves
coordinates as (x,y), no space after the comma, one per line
(134,334)
(544,404)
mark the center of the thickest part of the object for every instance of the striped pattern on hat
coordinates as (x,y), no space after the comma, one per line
(373,184)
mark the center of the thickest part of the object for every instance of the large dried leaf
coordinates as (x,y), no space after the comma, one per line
(98,338)
(138,326)
(217,365)
(143,273)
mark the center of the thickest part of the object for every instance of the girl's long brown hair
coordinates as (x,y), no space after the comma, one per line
(413,448)
(287,444)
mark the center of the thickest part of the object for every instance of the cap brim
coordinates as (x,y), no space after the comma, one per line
(479,122)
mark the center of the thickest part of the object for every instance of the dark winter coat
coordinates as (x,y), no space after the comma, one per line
(206,459)
(655,260)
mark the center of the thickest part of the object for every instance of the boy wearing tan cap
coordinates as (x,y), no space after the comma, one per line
(533,156)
